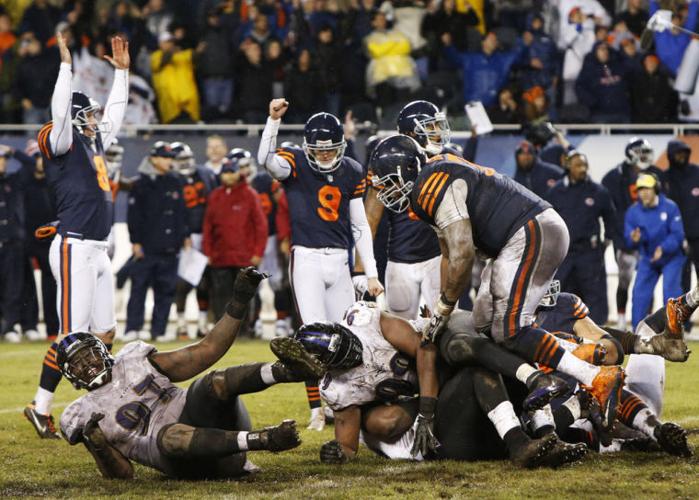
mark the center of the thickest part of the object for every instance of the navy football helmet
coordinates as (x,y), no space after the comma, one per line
(333,344)
(81,106)
(184,158)
(424,122)
(394,165)
(639,153)
(550,298)
(243,159)
(323,134)
(84,360)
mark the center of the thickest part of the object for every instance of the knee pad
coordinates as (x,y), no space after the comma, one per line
(456,349)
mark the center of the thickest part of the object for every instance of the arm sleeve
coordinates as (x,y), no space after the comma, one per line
(278,167)
(453,205)
(61,135)
(115,108)
(362,236)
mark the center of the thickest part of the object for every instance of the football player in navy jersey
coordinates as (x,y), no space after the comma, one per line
(197,182)
(325,192)
(72,145)
(475,207)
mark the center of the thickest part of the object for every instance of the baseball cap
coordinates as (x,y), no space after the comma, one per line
(646,181)
(231,166)
(162,149)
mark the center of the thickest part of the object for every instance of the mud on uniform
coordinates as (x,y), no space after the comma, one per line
(139,402)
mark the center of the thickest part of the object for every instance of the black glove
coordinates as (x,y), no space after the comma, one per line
(282,437)
(425,441)
(244,290)
(331,453)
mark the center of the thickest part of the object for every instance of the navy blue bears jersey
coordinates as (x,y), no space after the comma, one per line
(81,185)
(267,188)
(497,205)
(409,239)
(319,203)
(195,191)
(569,308)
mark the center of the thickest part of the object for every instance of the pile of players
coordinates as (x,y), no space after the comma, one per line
(484,384)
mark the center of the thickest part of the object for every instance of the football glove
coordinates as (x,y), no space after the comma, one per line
(425,440)
(331,453)
(244,290)
(282,437)
(361,285)
(440,317)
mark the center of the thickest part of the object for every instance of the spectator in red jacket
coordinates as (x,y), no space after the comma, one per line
(235,233)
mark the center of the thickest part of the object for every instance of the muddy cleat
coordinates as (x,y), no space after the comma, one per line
(291,352)
(563,453)
(673,439)
(606,388)
(677,312)
(544,387)
(531,453)
(595,354)
(670,348)
(317,422)
(42,423)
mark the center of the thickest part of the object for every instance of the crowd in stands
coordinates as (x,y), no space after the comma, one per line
(223,60)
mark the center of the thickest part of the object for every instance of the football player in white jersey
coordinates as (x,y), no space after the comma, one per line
(133,410)
(369,358)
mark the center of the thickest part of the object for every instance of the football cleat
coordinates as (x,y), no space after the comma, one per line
(544,387)
(531,453)
(670,348)
(563,453)
(297,359)
(43,424)
(673,439)
(606,388)
(590,410)
(677,313)
(317,422)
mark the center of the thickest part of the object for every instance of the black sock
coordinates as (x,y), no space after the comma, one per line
(50,373)
(244,379)
(515,438)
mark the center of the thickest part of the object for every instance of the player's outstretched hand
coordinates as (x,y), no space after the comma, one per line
(246,283)
(374,287)
(425,441)
(277,108)
(284,436)
(63,49)
(92,432)
(332,453)
(120,53)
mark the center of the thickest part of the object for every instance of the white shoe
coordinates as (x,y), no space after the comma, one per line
(34,335)
(167,337)
(317,420)
(145,336)
(129,336)
(281,329)
(13,337)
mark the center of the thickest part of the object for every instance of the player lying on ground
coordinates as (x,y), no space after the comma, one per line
(566,314)
(133,410)
(475,207)
(369,358)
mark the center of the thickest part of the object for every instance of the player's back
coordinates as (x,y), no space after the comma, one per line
(81,185)
(497,205)
(381,362)
(137,403)
(319,202)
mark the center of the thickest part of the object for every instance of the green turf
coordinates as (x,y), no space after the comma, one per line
(32,467)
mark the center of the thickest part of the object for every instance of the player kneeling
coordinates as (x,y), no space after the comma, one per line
(133,410)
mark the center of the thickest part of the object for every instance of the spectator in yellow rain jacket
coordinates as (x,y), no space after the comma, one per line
(174,83)
(390,69)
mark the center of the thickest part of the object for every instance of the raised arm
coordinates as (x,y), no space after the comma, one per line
(278,167)
(115,108)
(189,361)
(61,134)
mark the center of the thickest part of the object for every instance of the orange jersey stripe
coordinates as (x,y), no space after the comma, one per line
(435,195)
(428,185)
(52,365)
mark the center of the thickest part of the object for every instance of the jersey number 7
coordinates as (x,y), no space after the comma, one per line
(329,198)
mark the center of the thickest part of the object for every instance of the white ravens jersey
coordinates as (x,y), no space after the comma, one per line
(357,386)
(137,403)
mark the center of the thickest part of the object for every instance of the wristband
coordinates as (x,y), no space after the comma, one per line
(444,307)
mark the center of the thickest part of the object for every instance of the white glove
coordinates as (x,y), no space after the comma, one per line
(361,285)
